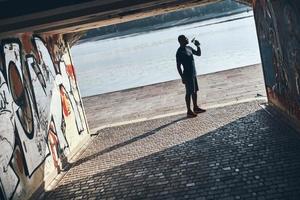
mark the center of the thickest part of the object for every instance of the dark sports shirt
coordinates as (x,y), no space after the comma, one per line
(184,56)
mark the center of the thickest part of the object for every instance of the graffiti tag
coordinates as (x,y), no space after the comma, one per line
(3,100)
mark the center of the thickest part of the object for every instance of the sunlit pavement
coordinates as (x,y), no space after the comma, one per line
(221,88)
(233,152)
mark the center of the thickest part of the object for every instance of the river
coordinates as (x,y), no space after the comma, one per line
(145,58)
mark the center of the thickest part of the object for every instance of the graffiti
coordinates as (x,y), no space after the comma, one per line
(278,30)
(33,142)
(3,99)
(39,108)
(8,178)
(68,80)
(54,145)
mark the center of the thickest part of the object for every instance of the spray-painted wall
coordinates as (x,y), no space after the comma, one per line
(278,29)
(41,113)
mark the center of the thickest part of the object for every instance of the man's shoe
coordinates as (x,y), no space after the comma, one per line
(191,114)
(199,110)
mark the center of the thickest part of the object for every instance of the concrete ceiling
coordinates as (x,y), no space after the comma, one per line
(71,16)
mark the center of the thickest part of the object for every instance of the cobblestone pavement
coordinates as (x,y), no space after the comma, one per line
(234,152)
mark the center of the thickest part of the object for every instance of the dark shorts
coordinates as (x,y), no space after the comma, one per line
(191,85)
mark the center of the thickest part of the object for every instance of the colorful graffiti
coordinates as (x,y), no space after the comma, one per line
(278,29)
(40,110)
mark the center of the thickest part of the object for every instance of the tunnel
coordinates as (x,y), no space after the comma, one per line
(42,117)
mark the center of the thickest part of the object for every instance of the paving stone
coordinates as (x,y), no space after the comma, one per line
(207,157)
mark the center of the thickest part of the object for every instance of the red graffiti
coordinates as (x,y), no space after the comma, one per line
(65,102)
(53,143)
(70,70)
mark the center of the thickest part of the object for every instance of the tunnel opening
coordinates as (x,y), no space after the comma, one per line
(127,71)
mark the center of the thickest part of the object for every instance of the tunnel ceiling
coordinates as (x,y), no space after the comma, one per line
(70,16)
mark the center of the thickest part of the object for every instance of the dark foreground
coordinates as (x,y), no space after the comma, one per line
(233,152)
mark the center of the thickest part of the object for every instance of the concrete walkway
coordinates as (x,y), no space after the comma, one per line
(231,152)
(163,99)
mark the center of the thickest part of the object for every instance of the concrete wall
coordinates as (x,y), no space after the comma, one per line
(278,28)
(41,114)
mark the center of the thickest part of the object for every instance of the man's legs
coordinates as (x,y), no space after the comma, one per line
(196,107)
(194,97)
(188,102)
(191,87)
(190,113)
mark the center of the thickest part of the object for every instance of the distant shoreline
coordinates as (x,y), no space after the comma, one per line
(189,16)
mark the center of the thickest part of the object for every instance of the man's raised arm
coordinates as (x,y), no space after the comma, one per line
(198,52)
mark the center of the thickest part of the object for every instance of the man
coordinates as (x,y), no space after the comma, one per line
(184,57)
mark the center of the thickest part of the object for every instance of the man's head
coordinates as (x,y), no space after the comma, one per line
(183,41)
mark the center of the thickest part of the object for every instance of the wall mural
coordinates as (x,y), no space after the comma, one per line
(41,114)
(278,29)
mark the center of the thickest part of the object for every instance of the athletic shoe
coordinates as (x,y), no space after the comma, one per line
(199,110)
(191,114)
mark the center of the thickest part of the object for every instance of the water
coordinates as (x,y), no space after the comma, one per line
(146,58)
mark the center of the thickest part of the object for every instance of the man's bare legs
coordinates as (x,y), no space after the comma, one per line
(194,98)
(190,113)
(196,107)
(188,102)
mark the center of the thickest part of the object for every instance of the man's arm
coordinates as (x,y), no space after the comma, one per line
(179,69)
(198,52)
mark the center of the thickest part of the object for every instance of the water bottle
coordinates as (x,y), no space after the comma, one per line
(193,41)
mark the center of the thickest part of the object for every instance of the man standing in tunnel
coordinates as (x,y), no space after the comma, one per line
(184,57)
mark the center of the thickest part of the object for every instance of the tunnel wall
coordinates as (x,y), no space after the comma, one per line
(278,29)
(42,120)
